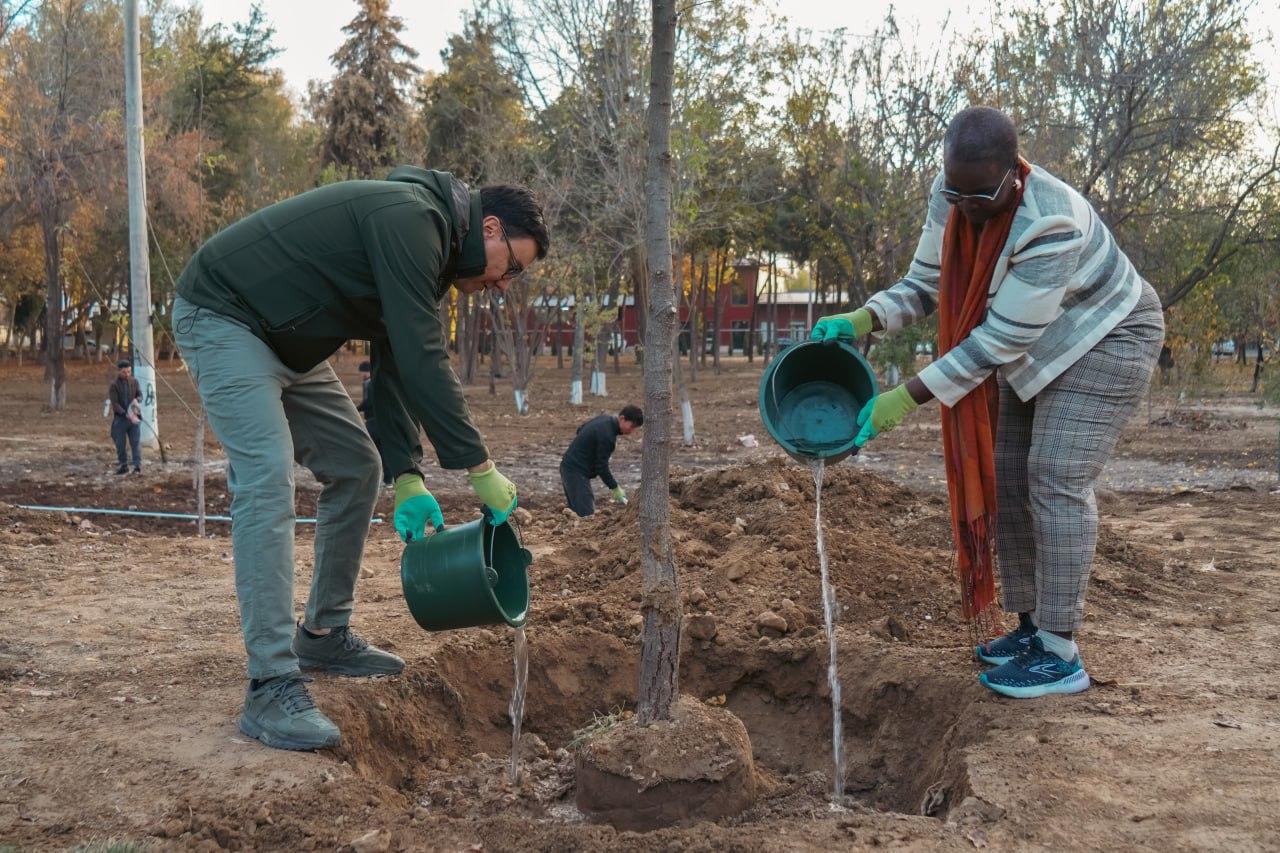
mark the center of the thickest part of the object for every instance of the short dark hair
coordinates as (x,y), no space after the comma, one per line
(633,414)
(518,211)
(365,368)
(123,363)
(981,135)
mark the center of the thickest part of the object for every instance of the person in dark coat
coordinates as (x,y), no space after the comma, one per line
(124,395)
(588,457)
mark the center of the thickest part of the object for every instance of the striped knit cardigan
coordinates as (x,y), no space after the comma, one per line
(1060,285)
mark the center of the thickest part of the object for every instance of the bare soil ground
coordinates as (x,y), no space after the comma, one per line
(121,665)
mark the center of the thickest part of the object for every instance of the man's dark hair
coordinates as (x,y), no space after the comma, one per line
(981,135)
(633,414)
(519,212)
(365,367)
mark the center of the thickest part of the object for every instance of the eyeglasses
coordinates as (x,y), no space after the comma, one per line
(954,197)
(514,267)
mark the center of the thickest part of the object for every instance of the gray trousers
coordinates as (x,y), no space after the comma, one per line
(267,417)
(1049,453)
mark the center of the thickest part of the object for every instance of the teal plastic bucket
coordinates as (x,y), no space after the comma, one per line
(810,396)
(461,577)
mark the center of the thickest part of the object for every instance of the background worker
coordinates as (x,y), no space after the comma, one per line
(124,395)
(1030,287)
(260,308)
(588,456)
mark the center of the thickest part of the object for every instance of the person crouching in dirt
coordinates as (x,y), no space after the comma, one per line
(260,308)
(588,457)
(1030,287)
(126,422)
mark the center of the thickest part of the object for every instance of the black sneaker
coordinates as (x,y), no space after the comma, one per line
(137,469)
(123,469)
(344,652)
(280,713)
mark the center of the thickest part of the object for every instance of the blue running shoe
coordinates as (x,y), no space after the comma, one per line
(1006,648)
(1036,672)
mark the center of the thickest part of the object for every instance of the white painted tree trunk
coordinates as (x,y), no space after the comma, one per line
(579,344)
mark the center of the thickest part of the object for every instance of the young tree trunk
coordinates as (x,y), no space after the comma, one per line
(9,339)
(694,299)
(682,387)
(579,344)
(521,355)
(1257,370)
(55,370)
(718,321)
(704,293)
(660,642)
(599,385)
(773,306)
(639,287)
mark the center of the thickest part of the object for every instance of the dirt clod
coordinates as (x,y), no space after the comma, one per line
(701,627)
(770,621)
(374,841)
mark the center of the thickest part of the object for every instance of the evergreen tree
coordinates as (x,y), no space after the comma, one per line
(364,107)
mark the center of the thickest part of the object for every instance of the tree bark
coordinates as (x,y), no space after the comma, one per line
(579,344)
(660,642)
(55,370)
(718,318)
(687,433)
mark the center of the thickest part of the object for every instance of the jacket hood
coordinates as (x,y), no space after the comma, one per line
(466,243)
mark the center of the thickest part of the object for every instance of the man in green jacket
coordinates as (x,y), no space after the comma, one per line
(260,308)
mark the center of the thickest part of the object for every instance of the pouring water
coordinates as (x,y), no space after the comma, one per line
(829,621)
(516,708)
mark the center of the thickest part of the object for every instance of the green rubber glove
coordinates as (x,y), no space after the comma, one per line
(842,327)
(884,412)
(496,491)
(415,506)
(619,495)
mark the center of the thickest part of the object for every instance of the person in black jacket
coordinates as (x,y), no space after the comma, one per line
(588,456)
(124,395)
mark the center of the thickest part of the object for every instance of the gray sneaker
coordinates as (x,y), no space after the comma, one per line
(344,652)
(280,713)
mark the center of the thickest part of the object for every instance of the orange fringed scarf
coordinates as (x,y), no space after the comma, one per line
(969,259)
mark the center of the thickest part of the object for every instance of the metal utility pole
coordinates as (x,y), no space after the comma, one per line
(139,261)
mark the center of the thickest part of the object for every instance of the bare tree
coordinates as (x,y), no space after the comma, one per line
(660,643)
(58,132)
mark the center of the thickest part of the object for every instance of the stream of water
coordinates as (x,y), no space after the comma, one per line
(516,708)
(829,621)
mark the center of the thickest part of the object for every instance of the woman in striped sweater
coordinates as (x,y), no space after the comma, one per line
(1033,293)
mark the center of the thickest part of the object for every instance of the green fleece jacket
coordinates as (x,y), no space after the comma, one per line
(368,260)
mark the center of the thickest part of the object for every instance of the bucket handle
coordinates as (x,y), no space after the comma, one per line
(514,523)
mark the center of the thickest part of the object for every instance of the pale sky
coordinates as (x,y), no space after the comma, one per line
(309,31)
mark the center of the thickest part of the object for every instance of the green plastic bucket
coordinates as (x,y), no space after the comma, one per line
(810,396)
(473,574)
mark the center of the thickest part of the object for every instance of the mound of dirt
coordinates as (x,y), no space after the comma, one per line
(696,766)
(745,547)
